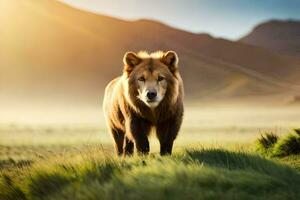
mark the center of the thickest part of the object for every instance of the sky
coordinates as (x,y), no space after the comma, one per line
(229,19)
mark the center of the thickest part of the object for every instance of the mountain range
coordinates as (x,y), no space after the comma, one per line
(50,50)
(282,36)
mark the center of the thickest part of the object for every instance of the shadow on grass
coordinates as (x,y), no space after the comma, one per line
(191,174)
(237,161)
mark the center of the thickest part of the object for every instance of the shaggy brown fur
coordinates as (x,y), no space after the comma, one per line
(129,118)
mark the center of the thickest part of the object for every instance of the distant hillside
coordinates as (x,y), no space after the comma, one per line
(276,35)
(51,50)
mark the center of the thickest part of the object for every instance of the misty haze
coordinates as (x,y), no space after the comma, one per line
(241,99)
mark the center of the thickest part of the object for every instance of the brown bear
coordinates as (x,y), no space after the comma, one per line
(148,95)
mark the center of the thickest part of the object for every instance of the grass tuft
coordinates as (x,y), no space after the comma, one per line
(266,142)
(297,131)
(270,145)
(289,145)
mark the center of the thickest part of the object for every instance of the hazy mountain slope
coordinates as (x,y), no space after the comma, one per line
(51,50)
(276,35)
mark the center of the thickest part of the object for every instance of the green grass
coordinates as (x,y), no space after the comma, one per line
(266,142)
(289,145)
(271,145)
(54,163)
(188,174)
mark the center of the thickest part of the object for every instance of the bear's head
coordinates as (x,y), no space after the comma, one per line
(151,78)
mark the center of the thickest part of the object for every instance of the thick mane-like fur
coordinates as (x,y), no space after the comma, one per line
(154,55)
(129,118)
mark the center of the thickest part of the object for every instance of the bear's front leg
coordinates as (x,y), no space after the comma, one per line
(166,133)
(128,147)
(139,130)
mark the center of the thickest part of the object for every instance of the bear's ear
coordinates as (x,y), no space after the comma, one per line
(130,60)
(170,59)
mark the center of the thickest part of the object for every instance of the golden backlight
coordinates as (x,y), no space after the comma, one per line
(240,135)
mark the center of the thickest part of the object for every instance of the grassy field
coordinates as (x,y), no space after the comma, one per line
(211,160)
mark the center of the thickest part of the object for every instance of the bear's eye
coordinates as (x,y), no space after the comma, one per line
(141,79)
(160,78)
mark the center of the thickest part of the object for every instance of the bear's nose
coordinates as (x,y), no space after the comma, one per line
(151,95)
